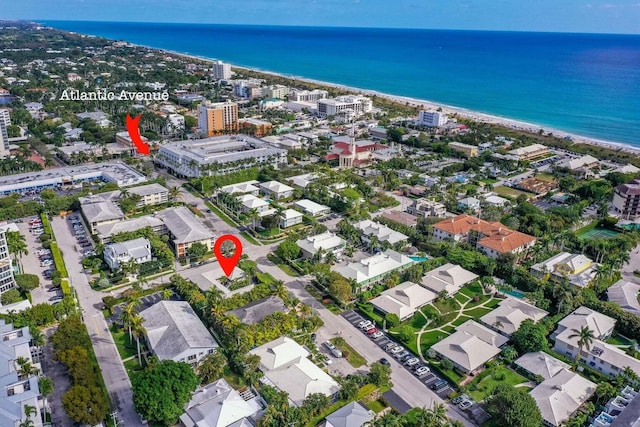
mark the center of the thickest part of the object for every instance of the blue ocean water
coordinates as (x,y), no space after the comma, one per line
(587,84)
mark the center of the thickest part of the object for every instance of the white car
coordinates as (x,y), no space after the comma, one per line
(396,350)
(377,335)
(412,361)
(367,325)
(422,371)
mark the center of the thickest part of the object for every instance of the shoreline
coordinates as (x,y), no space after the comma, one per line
(514,124)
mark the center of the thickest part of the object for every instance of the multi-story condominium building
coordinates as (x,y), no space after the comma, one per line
(432,118)
(18,391)
(466,149)
(219,155)
(626,199)
(308,95)
(151,194)
(491,238)
(221,70)
(6,268)
(351,105)
(255,127)
(185,229)
(218,118)
(138,250)
(529,152)
(578,269)
(277,92)
(427,208)
(5,122)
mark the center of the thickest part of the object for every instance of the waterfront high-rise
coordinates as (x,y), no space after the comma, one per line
(221,70)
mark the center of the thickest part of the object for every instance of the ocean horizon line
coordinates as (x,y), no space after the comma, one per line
(336,27)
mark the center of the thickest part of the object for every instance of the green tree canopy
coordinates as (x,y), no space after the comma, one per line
(529,337)
(161,391)
(513,407)
(86,405)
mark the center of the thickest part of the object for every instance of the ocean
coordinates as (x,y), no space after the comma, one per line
(587,84)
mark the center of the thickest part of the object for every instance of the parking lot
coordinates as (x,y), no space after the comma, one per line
(403,356)
(39,262)
(84,244)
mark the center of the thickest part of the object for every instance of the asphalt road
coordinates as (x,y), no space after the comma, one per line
(113,371)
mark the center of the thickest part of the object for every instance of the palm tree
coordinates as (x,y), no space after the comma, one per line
(585,338)
(28,411)
(167,294)
(45,385)
(175,194)
(127,314)
(25,369)
(17,244)
(138,330)
(37,337)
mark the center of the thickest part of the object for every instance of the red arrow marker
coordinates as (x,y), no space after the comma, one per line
(228,264)
(133,127)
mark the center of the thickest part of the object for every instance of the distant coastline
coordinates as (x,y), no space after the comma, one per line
(515,124)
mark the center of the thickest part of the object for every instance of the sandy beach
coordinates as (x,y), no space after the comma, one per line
(427,105)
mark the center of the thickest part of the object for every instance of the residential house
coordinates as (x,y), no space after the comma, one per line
(530,152)
(150,194)
(219,405)
(622,410)
(247,187)
(427,209)
(601,356)
(510,314)
(174,332)
(382,233)
(312,208)
(373,269)
(276,190)
(327,242)
(448,278)
(137,250)
(17,392)
(249,202)
(469,204)
(560,396)
(470,346)
(256,311)
(353,414)
(578,269)
(542,364)
(401,218)
(491,238)
(286,366)
(289,218)
(625,294)
(497,201)
(403,300)
(185,229)
(581,164)
(303,180)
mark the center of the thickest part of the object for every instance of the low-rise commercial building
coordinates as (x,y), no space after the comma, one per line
(348,106)
(530,152)
(255,127)
(466,149)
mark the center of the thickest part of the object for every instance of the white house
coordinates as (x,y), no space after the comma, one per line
(327,242)
(174,332)
(373,269)
(381,232)
(403,300)
(449,278)
(312,208)
(247,187)
(249,202)
(351,415)
(276,190)
(138,250)
(286,366)
(625,294)
(150,194)
(290,217)
(510,314)
(470,347)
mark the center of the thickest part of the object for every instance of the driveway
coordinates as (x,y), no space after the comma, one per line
(90,301)
(58,373)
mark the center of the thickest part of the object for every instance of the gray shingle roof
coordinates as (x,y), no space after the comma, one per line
(256,311)
(184,225)
(146,190)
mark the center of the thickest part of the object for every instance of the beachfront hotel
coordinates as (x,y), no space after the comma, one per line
(432,119)
(218,155)
(221,70)
(308,95)
(217,118)
(349,105)
(626,199)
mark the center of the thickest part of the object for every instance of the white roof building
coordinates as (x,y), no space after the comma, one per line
(601,325)
(494,200)
(403,300)
(586,161)
(290,217)
(185,227)
(216,405)
(351,415)
(625,294)
(382,232)
(471,346)
(174,332)
(449,277)
(99,213)
(560,396)
(510,314)
(276,189)
(247,187)
(374,268)
(285,365)
(328,242)
(138,250)
(577,268)
(541,363)
(312,208)
(303,180)
(249,202)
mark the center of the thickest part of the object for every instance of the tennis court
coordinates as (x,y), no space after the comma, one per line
(599,233)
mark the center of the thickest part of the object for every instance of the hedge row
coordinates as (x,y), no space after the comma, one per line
(46,224)
(58,260)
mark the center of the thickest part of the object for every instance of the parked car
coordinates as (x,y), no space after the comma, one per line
(459,399)
(54,289)
(423,370)
(466,404)
(402,354)
(412,361)
(395,350)
(377,335)
(384,361)
(56,298)
(372,331)
(389,346)
(438,385)
(366,325)
(332,349)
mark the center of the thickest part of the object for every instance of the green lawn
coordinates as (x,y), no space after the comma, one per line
(133,367)
(510,192)
(460,320)
(618,340)
(283,266)
(489,181)
(121,339)
(265,278)
(451,374)
(446,305)
(477,312)
(461,298)
(353,357)
(232,378)
(376,405)
(430,338)
(484,383)
(481,300)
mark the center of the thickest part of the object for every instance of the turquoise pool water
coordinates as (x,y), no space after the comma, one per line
(513,293)
(419,258)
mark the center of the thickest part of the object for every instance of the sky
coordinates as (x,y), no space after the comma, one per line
(582,16)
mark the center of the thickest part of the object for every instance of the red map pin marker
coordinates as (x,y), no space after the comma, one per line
(228,263)
(133,127)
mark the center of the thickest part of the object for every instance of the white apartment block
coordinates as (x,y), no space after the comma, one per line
(351,105)
(151,194)
(308,95)
(277,92)
(221,70)
(432,118)
(427,209)
(218,155)
(7,281)
(5,122)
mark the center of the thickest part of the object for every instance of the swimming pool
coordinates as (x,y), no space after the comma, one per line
(419,258)
(513,293)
